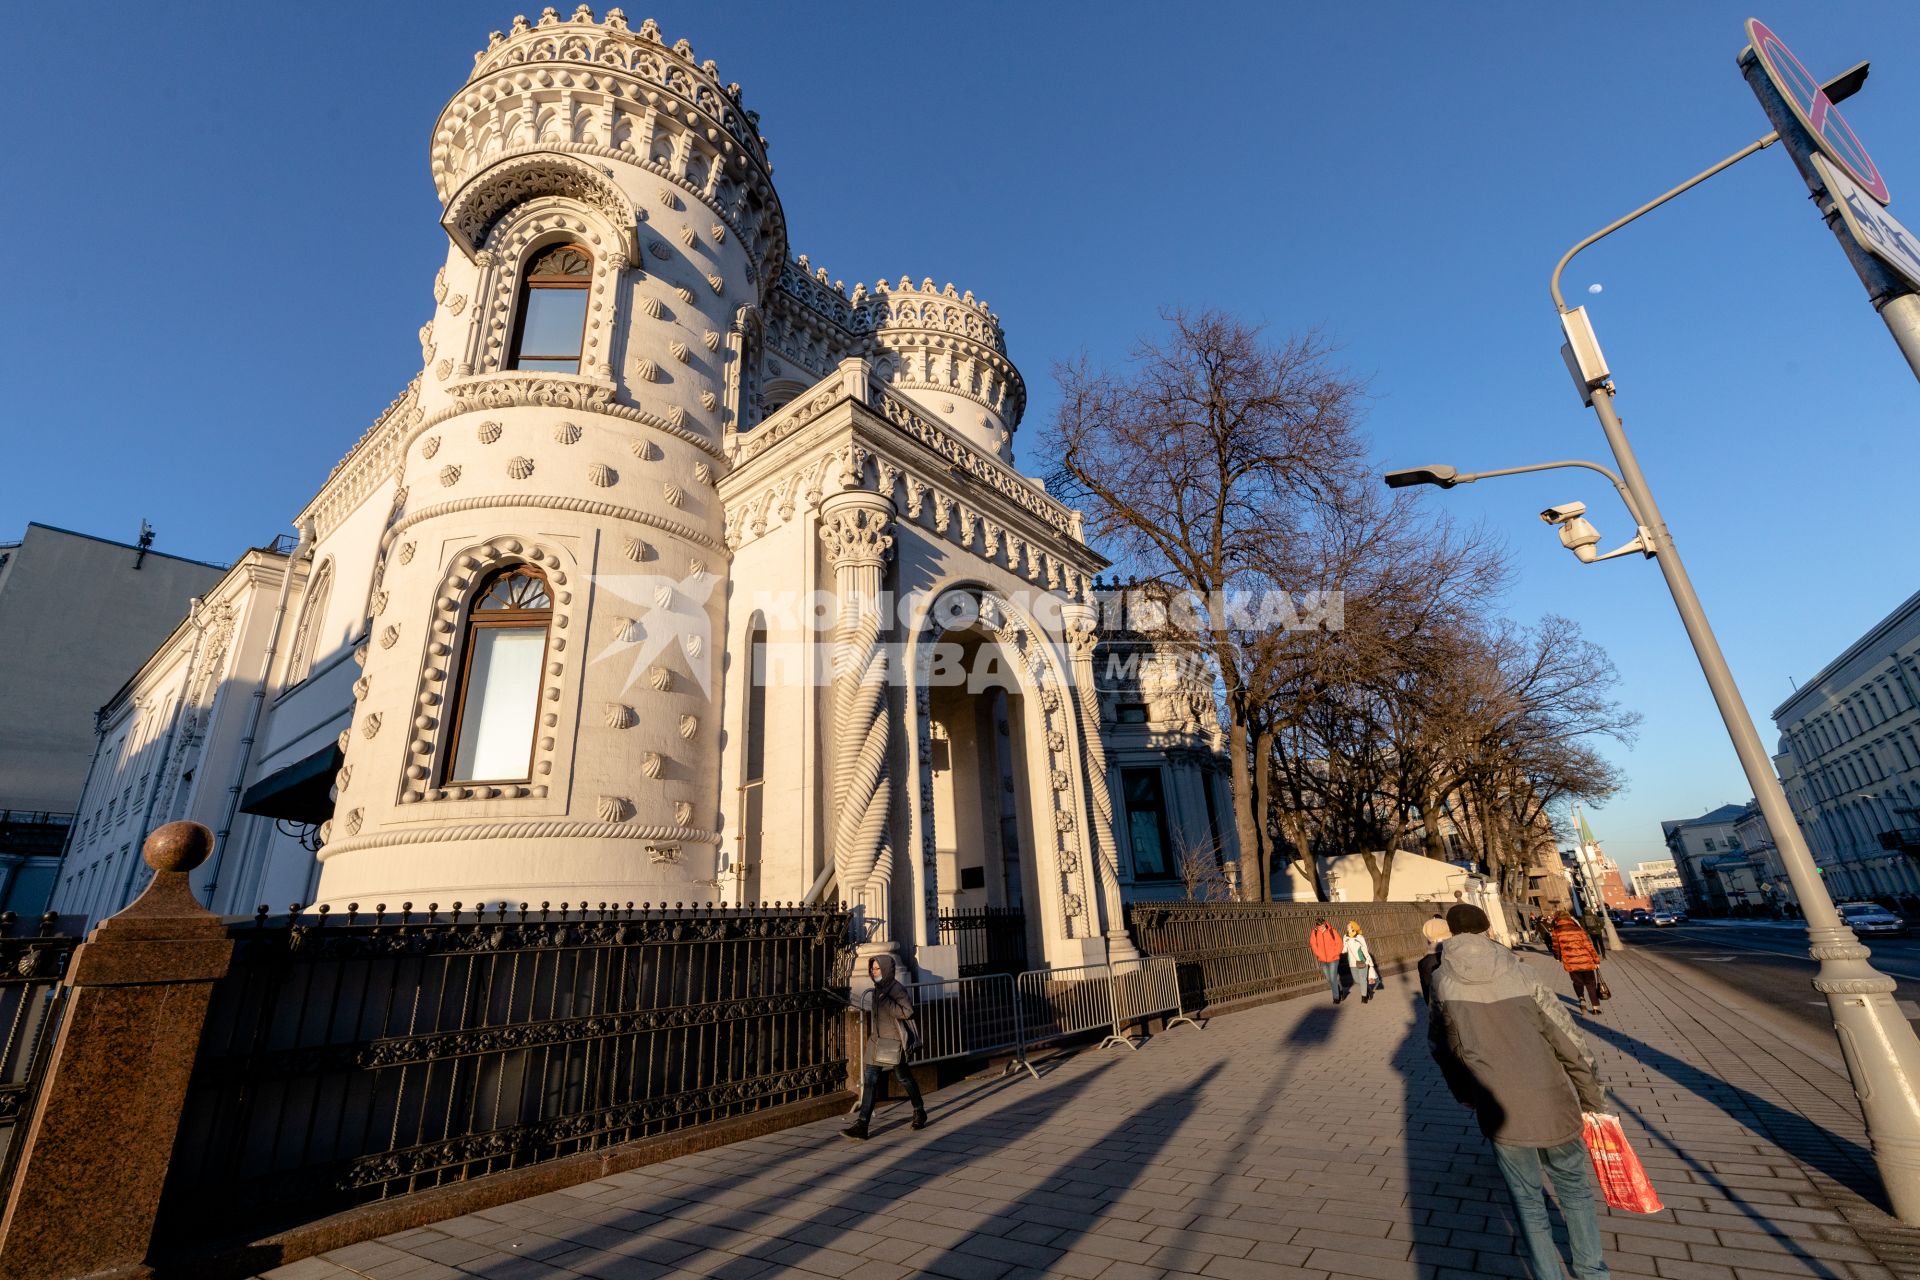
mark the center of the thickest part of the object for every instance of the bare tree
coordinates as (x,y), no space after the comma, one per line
(1211,462)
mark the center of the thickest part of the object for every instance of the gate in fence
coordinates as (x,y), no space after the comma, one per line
(31,998)
(352,1060)
(988,939)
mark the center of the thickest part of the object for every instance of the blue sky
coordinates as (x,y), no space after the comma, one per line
(228,216)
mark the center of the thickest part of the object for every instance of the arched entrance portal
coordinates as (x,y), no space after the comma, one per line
(983,836)
(997,816)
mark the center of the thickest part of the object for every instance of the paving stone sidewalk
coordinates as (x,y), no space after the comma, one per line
(1297,1141)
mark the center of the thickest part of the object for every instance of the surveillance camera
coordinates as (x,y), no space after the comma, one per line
(1578,535)
(1564,512)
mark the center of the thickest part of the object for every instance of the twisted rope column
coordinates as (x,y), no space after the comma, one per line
(1083,637)
(853,525)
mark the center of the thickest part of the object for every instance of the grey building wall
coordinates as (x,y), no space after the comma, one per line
(76,618)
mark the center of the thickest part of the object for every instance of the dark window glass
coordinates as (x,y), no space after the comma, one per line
(756,766)
(1132,712)
(553,310)
(1146,802)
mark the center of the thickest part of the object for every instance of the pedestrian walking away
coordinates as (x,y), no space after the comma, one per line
(1509,1050)
(1572,944)
(891,1034)
(1325,945)
(1360,961)
(1436,933)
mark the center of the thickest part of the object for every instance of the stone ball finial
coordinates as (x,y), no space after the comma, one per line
(177,846)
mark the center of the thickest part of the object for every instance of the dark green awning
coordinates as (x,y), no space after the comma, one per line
(297,793)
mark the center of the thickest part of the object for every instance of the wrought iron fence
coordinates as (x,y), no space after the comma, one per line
(32,963)
(988,939)
(350,1060)
(1229,951)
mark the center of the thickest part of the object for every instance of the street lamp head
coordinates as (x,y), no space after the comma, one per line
(1441,476)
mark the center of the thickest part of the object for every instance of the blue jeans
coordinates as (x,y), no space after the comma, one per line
(1332,969)
(1568,1165)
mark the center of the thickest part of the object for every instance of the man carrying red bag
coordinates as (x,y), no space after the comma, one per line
(1509,1050)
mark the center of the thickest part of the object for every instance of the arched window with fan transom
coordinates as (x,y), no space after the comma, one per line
(502,653)
(551,318)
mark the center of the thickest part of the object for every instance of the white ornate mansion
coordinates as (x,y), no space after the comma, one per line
(680,573)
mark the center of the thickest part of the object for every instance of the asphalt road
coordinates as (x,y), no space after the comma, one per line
(1769,963)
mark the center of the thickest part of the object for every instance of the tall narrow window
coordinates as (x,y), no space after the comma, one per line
(753,772)
(503,651)
(553,310)
(1145,797)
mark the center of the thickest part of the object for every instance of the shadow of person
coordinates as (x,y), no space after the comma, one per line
(1456,1198)
(1832,1155)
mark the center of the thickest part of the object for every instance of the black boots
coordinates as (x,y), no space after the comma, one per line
(857,1131)
(919,1119)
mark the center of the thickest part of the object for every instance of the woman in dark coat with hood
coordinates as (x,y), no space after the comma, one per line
(889,1036)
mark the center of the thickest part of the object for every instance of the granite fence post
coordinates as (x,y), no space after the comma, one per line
(87,1192)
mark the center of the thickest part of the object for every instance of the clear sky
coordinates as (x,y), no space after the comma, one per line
(225,238)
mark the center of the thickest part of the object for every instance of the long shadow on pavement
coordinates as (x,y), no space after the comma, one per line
(1071,1215)
(1756,1213)
(1844,1161)
(891,1180)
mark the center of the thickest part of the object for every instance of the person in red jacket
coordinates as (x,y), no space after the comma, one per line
(1578,958)
(1326,947)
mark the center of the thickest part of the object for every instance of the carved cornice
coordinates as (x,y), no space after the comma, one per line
(545,390)
(374,458)
(995,475)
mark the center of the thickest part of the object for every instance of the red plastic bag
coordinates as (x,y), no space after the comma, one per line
(1622,1179)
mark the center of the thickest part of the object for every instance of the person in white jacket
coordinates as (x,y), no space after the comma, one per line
(1360,962)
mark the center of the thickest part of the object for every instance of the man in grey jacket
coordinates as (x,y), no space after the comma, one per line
(1511,1052)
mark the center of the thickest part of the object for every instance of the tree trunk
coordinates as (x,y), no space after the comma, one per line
(1246,816)
(1262,778)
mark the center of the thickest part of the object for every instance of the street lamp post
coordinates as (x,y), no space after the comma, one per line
(1881,1050)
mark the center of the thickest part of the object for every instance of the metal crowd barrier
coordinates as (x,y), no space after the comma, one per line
(994,1013)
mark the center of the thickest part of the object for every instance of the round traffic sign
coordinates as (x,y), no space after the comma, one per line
(1817,114)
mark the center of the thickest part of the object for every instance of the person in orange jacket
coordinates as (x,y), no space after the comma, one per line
(1577,956)
(1327,950)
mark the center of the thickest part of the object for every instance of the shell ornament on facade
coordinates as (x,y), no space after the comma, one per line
(614,808)
(717,284)
(519,468)
(658,248)
(660,678)
(687,237)
(709,401)
(567,433)
(360,688)
(689,725)
(682,812)
(711,340)
(353,820)
(637,549)
(685,294)
(680,351)
(429,446)
(406,553)
(449,475)
(652,763)
(389,636)
(654,307)
(489,432)
(646,371)
(629,631)
(703,471)
(671,492)
(379,603)
(372,726)
(602,475)
(676,416)
(342,778)
(621,716)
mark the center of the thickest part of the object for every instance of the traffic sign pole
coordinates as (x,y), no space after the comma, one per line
(1897,303)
